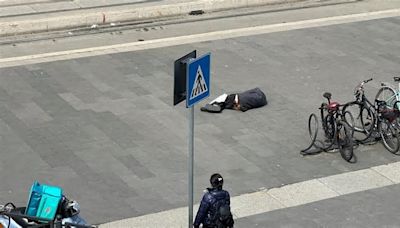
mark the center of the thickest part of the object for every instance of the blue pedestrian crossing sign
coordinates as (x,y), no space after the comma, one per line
(198,80)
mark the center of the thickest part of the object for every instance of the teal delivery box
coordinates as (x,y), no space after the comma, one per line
(43,201)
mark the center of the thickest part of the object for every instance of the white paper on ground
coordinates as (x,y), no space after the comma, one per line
(220,99)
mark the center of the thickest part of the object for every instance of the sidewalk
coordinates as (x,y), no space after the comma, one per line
(281,198)
(368,209)
(30,16)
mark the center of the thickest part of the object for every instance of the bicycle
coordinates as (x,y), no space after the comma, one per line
(379,117)
(335,130)
(387,100)
(388,94)
(387,125)
(363,111)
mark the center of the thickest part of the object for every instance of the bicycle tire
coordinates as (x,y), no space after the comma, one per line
(329,128)
(323,141)
(388,95)
(368,119)
(312,130)
(363,120)
(349,119)
(344,141)
(389,136)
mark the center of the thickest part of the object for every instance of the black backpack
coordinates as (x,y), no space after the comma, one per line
(223,217)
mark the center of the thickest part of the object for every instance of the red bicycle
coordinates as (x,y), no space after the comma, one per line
(334,131)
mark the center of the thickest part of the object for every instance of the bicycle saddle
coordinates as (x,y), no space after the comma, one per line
(396,79)
(327,95)
(333,106)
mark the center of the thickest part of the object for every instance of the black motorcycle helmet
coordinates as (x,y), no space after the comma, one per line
(216,180)
(68,208)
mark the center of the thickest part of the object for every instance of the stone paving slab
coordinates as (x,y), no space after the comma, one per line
(390,171)
(27,2)
(300,193)
(250,204)
(54,6)
(356,181)
(10,10)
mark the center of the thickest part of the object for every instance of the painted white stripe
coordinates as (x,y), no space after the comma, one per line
(302,193)
(278,198)
(357,181)
(216,35)
(251,204)
(391,171)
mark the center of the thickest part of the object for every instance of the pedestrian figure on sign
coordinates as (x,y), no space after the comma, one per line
(214,210)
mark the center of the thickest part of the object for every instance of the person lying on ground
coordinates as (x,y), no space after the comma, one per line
(253,98)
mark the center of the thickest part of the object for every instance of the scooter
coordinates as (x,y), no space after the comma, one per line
(67,216)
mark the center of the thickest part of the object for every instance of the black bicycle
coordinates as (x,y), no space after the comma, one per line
(363,112)
(334,132)
(387,125)
(379,117)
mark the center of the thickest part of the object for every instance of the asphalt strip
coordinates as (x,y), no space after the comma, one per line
(194,38)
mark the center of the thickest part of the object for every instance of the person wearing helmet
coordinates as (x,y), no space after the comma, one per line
(214,210)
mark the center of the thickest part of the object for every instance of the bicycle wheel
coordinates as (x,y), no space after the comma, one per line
(364,120)
(390,138)
(344,141)
(349,119)
(368,120)
(325,134)
(388,95)
(312,130)
(326,139)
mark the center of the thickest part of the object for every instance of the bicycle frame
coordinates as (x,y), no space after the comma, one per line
(335,115)
(337,133)
(363,100)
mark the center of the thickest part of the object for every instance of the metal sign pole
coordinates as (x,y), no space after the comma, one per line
(190,163)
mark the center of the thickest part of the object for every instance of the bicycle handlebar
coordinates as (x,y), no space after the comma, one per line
(365,81)
(361,85)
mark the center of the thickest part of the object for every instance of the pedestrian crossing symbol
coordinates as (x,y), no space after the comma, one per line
(198,80)
(200,85)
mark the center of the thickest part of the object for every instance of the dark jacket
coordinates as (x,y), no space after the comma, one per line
(249,99)
(206,210)
(253,98)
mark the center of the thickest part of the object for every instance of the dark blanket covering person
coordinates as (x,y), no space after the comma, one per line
(253,98)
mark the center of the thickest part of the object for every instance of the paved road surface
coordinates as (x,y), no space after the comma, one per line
(104,127)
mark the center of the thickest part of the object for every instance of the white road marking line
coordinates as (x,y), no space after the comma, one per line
(195,38)
(356,181)
(279,198)
(391,171)
(301,193)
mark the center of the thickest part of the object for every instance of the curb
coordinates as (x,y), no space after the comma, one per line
(80,18)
